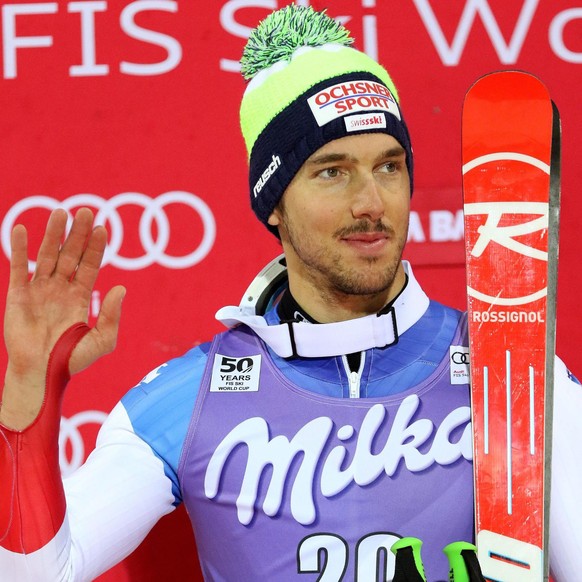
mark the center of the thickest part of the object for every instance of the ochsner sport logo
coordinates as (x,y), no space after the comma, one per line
(351,97)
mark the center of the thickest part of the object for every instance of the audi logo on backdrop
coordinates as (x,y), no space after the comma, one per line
(154,248)
(71,442)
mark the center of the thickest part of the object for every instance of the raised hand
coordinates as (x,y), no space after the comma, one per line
(41,308)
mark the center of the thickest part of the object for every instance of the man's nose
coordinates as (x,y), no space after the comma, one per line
(368,201)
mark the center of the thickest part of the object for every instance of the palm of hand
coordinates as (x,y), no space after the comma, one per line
(40,309)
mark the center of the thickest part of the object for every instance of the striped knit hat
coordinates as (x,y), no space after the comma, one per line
(307,87)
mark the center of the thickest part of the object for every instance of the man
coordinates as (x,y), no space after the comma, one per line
(304,441)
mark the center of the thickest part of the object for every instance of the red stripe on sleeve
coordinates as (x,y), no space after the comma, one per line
(32,500)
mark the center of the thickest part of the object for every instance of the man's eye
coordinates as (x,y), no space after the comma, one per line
(329,173)
(389,167)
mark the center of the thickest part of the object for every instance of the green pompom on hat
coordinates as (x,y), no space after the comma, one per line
(286,30)
(307,87)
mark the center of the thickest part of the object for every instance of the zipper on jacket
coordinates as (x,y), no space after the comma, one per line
(354,378)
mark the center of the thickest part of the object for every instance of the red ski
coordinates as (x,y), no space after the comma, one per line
(511,142)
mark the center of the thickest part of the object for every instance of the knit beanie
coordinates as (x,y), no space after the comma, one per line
(307,87)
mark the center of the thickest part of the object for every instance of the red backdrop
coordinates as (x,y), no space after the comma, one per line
(131,108)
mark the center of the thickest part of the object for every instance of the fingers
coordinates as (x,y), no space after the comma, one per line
(74,246)
(88,266)
(109,316)
(62,258)
(48,252)
(18,257)
(103,337)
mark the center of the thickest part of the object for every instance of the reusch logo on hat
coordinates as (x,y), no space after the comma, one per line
(269,171)
(351,97)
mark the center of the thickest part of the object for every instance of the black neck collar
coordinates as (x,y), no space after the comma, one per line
(290,311)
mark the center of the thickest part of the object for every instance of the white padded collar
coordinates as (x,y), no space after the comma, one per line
(334,339)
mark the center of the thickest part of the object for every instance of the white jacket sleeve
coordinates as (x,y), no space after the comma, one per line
(113,501)
(566,509)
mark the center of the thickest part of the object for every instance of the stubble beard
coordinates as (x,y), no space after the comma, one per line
(329,272)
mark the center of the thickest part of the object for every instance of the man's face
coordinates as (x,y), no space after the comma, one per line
(343,220)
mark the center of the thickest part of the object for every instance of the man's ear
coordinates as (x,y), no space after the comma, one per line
(275,218)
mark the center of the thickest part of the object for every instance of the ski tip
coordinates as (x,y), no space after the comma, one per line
(513,81)
(507,111)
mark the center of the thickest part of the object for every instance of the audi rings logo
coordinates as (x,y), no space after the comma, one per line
(460,358)
(71,442)
(154,212)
